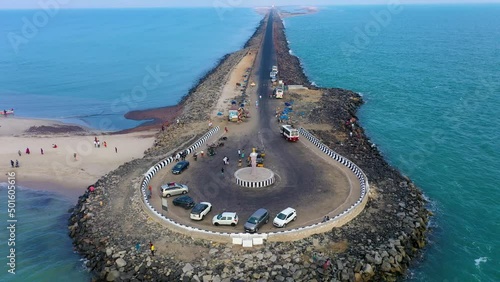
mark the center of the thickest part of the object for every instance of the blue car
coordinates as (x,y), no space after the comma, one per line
(180,167)
(184,201)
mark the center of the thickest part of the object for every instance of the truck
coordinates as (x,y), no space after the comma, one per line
(289,133)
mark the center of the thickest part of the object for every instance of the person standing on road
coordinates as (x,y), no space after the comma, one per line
(222,170)
(239,152)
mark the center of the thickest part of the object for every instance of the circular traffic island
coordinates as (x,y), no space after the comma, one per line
(257,177)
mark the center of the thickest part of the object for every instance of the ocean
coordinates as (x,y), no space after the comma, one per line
(430,77)
(43,249)
(90,67)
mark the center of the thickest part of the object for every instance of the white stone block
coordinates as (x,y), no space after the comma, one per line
(247,243)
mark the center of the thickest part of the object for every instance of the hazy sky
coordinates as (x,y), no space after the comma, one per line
(35,4)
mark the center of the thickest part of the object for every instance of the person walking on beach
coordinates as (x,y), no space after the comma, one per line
(105,144)
(27,151)
(41,150)
(74,156)
(17,163)
(19,152)
(11,163)
(116,150)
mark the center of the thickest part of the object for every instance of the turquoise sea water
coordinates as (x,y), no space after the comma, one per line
(92,66)
(430,76)
(43,249)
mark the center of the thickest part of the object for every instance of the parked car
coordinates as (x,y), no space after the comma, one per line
(184,201)
(256,220)
(200,210)
(180,167)
(225,218)
(284,217)
(172,189)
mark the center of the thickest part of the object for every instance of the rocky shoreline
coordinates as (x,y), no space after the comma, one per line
(107,224)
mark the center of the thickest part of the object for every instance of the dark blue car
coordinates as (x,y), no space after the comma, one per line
(180,167)
(184,201)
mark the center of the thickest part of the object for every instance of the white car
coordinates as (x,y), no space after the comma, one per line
(284,217)
(200,210)
(225,218)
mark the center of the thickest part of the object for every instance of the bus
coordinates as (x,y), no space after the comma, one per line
(290,133)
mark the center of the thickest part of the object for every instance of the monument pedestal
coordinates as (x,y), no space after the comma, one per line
(256,177)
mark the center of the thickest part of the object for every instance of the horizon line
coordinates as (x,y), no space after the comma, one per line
(257,6)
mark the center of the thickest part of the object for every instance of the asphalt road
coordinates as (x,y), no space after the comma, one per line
(306,181)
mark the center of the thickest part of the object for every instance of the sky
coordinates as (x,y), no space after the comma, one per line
(36,4)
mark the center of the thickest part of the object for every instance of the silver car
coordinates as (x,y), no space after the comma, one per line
(256,220)
(172,189)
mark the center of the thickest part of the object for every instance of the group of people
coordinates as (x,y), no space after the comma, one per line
(180,156)
(27,152)
(97,143)
(152,247)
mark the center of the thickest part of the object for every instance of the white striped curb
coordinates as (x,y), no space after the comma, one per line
(258,183)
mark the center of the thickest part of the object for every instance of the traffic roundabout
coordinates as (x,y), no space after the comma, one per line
(338,201)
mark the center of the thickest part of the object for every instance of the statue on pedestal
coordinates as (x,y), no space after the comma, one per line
(253,159)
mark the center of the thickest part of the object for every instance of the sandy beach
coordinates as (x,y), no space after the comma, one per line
(57,169)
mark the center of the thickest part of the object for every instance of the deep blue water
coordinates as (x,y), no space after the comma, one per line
(92,66)
(430,76)
(43,249)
